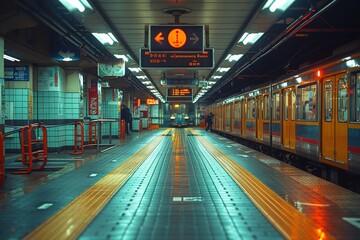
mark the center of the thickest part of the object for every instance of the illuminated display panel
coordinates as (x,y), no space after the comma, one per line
(177,60)
(174,38)
(180,92)
(152,101)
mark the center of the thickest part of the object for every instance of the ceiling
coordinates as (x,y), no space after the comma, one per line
(306,32)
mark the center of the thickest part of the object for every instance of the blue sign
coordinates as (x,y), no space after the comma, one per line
(16,73)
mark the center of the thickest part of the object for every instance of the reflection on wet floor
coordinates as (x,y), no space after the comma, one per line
(18,185)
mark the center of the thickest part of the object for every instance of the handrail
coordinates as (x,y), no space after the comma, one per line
(78,138)
(28,154)
(2,159)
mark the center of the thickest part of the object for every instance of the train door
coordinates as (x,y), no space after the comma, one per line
(259,117)
(288,126)
(334,133)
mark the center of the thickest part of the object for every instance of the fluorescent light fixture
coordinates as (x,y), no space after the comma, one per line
(7,57)
(233,57)
(150,87)
(105,38)
(67,59)
(147,82)
(351,63)
(71,5)
(153,91)
(112,37)
(282,5)
(121,56)
(220,69)
(135,69)
(216,77)
(142,77)
(250,37)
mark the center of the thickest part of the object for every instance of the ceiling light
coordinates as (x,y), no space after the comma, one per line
(141,77)
(216,77)
(71,5)
(233,57)
(150,87)
(121,56)
(7,57)
(105,38)
(135,69)
(250,37)
(146,82)
(282,5)
(220,69)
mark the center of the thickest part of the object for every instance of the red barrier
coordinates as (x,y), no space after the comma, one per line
(140,125)
(122,129)
(78,138)
(2,159)
(92,133)
(33,149)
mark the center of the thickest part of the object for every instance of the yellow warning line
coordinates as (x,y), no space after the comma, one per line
(284,217)
(71,221)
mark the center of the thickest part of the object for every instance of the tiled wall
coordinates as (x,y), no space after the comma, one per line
(110,111)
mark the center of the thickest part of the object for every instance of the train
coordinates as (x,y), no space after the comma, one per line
(310,116)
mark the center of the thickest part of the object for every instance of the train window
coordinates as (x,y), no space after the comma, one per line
(286,105)
(267,107)
(251,110)
(342,100)
(293,102)
(276,106)
(355,97)
(306,102)
(328,101)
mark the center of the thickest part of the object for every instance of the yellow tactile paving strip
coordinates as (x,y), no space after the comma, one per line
(70,221)
(284,217)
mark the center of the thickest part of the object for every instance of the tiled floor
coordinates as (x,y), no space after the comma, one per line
(179,192)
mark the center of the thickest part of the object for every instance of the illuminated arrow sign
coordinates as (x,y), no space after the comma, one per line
(176,38)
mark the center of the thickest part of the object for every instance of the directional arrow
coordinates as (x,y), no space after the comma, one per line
(195,38)
(159,38)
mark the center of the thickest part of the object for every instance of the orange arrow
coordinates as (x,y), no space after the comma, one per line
(159,38)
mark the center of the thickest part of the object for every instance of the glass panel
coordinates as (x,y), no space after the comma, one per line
(306,103)
(286,105)
(266,109)
(342,100)
(293,101)
(251,109)
(355,97)
(276,106)
(328,101)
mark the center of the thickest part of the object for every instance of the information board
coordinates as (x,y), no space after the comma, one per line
(177,60)
(179,92)
(175,38)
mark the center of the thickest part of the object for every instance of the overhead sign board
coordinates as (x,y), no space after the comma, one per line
(16,73)
(176,38)
(177,60)
(179,92)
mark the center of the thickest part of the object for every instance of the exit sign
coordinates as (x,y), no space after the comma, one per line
(176,38)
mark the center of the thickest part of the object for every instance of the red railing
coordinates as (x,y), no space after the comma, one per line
(92,133)
(78,138)
(33,149)
(122,129)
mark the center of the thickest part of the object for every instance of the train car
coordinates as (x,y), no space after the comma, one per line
(313,114)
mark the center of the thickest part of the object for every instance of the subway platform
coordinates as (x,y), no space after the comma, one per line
(174,184)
